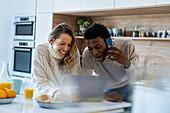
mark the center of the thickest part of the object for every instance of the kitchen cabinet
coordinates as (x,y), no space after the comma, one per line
(158,2)
(66,5)
(43,27)
(6,32)
(96,4)
(24,7)
(133,3)
(44,6)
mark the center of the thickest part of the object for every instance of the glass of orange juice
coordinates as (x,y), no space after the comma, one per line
(29,90)
(28,93)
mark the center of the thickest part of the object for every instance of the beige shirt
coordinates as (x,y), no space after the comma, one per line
(117,74)
(47,73)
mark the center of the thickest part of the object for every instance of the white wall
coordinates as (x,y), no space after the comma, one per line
(6,33)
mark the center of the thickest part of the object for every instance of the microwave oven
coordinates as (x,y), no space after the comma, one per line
(24,28)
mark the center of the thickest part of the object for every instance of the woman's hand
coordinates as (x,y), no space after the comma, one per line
(117,55)
(113,97)
(56,94)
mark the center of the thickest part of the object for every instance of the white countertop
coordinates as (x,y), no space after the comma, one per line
(151,99)
(22,105)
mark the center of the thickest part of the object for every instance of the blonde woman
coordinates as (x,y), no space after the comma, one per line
(55,59)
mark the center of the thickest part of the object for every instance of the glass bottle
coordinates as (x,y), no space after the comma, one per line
(136,32)
(5,75)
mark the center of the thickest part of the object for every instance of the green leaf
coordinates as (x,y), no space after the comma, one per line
(80,21)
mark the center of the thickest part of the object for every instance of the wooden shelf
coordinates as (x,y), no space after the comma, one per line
(135,38)
(157,9)
(79,37)
(145,38)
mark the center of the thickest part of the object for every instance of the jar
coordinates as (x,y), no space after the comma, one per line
(135,33)
(5,77)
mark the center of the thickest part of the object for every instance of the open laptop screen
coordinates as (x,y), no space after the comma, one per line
(84,87)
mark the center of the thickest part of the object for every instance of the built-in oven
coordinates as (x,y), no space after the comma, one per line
(24,28)
(22,58)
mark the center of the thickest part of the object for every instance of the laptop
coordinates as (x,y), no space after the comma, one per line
(84,88)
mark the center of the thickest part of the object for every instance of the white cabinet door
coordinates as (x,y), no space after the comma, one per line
(24,7)
(44,6)
(96,4)
(133,3)
(66,5)
(43,27)
(158,2)
(6,31)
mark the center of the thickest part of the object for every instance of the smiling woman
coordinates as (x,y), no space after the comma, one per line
(55,59)
(62,45)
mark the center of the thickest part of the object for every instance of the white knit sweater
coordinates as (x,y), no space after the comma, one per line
(47,73)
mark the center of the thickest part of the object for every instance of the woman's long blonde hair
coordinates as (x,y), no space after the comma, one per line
(72,53)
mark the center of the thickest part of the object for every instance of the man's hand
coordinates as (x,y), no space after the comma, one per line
(117,55)
(113,97)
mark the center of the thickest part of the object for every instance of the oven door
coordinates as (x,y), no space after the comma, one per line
(22,62)
(24,30)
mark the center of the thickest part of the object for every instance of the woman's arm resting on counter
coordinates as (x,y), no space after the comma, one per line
(40,79)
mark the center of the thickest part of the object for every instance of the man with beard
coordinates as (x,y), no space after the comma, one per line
(119,63)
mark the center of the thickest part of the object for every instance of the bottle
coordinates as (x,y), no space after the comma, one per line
(141,33)
(5,77)
(136,32)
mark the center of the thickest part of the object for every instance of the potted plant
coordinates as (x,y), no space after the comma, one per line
(83,25)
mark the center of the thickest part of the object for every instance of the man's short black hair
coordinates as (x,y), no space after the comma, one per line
(96,30)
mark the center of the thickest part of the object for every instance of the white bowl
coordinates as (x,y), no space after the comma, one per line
(55,105)
(7,100)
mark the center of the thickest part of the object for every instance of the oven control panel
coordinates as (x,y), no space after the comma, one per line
(27,44)
(23,43)
(23,19)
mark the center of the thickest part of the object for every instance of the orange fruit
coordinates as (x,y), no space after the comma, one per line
(3,94)
(10,93)
(5,89)
(2,86)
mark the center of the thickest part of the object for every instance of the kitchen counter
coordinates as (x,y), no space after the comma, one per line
(152,97)
(22,105)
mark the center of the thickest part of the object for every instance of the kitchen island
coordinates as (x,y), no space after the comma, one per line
(22,105)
